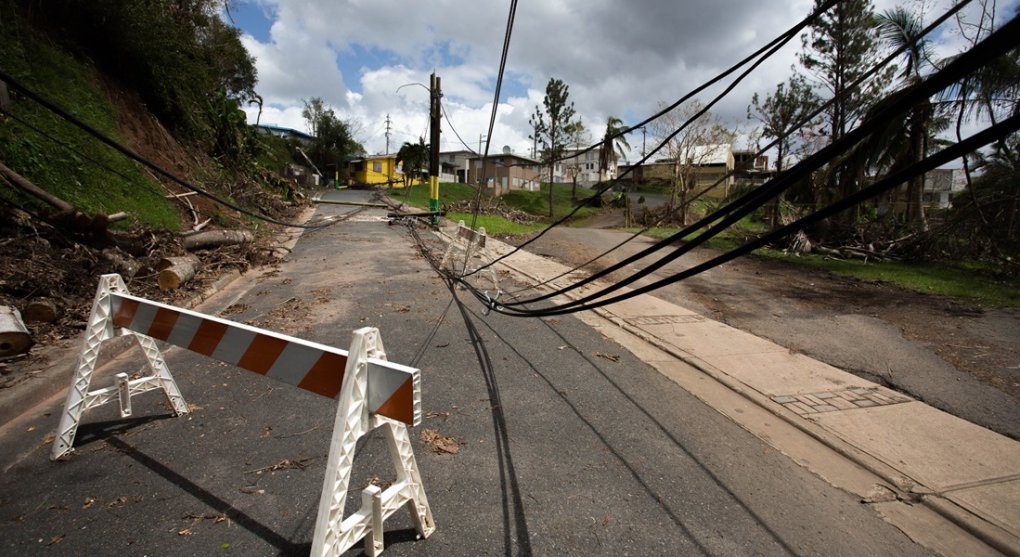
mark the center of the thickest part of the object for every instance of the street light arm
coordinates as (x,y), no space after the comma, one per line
(413,83)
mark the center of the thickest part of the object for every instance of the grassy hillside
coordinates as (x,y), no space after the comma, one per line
(55,155)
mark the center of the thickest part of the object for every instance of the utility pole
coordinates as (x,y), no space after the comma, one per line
(435,117)
(387,133)
(642,142)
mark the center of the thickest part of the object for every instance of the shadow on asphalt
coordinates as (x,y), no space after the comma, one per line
(109,430)
(285,546)
(621,458)
(89,433)
(507,472)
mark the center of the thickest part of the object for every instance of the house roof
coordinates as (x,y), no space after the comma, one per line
(494,156)
(285,131)
(375,157)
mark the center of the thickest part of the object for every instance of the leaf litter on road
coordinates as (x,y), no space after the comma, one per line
(440,443)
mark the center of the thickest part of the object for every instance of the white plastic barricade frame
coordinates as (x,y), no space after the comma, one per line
(334,534)
(373,393)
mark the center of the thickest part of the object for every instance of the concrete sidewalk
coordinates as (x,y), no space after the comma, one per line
(965,473)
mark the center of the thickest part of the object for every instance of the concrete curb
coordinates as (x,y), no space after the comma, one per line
(979,528)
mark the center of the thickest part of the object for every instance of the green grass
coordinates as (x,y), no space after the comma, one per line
(418,196)
(728,239)
(537,202)
(964,281)
(956,280)
(496,225)
(85,173)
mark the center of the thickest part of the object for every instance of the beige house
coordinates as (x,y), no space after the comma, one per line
(453,165)
(504,172)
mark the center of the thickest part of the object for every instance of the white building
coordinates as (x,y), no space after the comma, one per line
(582,164)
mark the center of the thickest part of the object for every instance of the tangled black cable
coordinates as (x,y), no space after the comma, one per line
(995,45)
(761,55)
(459,138)
(976,141)
(52,107)
(747,197)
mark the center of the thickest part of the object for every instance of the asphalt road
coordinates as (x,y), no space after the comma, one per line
(568,445)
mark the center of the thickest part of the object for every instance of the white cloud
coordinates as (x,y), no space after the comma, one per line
(618,59)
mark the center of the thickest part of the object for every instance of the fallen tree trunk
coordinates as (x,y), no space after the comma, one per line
(175,271)
(24,185)
(14,337)
(836,254)
(66,216)
(215,238)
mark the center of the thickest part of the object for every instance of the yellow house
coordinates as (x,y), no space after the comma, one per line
(378,169)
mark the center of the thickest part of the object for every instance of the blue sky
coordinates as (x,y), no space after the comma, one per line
(619,58)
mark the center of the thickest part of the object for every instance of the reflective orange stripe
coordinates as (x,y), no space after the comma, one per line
(262,353)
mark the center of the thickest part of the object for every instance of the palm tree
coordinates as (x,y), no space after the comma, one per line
(614,144)
(413,156)
(901,28)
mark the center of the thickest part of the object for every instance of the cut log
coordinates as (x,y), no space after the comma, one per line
(14,337)
(126,266)
(215,238)
(175,271)
(41,310)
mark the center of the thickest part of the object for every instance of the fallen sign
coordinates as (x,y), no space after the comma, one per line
(373,393)
(465,247)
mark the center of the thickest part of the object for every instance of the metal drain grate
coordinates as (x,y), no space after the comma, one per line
(665,319)
(830,401)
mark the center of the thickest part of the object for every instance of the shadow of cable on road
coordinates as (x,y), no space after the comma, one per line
(508,475)
(621,458)
(285,546)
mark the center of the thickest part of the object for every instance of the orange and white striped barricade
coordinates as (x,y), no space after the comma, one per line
(373,393)
(464,255)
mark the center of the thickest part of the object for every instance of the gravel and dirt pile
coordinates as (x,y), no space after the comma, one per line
(41,262)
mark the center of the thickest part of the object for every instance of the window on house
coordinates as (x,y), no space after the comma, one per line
(376,167)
